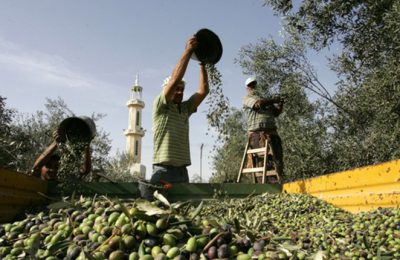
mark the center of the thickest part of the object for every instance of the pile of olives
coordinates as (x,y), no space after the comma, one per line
(268,226)
(298,226)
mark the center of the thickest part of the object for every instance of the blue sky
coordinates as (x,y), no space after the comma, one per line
(89,52)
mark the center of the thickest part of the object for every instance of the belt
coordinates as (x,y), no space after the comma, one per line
(168,166)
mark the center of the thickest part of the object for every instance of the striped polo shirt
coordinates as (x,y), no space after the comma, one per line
(171,131)
(261,119)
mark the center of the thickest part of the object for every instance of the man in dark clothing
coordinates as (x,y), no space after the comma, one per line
(47,164)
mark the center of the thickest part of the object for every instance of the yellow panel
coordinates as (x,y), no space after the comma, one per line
(360,208)
(21,181)
(384,173)
(364,199)
(8,213)
(11,196)
(365,189)
(18,191)
(355,190)
(6,200)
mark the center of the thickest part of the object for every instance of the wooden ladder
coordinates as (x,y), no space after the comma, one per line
(251,159)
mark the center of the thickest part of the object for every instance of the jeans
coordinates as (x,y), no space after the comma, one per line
(161,173)
(170,174)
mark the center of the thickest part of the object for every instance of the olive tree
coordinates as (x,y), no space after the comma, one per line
(327,128)
(366,36)
(118,169)
(365,31)
(8,146)
(228,151)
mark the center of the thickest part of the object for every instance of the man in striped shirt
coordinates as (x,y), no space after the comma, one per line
(171,121)
(261,113)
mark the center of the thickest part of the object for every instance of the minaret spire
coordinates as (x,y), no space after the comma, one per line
(135,131)
(137,80)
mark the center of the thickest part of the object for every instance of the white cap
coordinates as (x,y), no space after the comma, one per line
(167,79)
(250,80)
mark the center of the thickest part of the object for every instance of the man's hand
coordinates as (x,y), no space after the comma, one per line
(277,99)
(58,137)
(192,44)
(261,103)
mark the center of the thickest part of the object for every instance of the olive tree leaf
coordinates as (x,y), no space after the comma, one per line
(320,255)
(59,205)
(161,198)
(151,209)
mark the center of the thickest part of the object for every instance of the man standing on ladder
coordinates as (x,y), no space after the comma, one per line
(261,125)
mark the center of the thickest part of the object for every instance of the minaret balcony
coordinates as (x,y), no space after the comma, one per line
(135,102)
(137,131)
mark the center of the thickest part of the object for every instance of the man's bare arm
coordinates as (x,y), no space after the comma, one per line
(203,88)
(180,69)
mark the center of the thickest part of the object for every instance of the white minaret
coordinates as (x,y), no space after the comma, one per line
(135,131)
